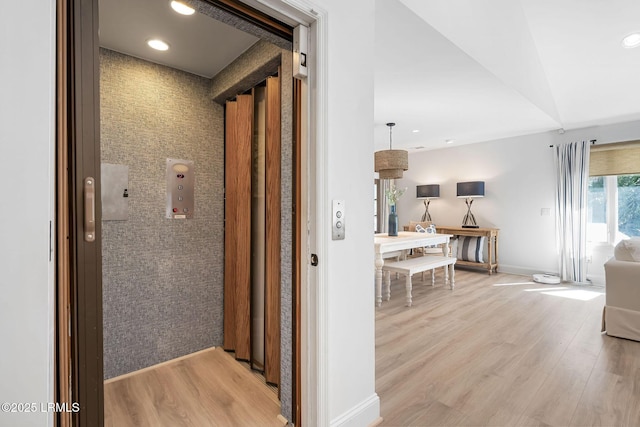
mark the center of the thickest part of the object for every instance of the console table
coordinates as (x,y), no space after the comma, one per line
(491,234)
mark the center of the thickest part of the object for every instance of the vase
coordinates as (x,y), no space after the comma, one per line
(393,222)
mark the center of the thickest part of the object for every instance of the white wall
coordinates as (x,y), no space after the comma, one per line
(352,399)
(26,143)
(519,175)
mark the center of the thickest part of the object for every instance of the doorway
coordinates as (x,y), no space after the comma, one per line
(86,160)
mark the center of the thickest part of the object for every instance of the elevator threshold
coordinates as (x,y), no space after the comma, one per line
(206,388)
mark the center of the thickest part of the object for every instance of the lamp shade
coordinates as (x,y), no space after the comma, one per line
(470,189)
(428,191)
(391,163)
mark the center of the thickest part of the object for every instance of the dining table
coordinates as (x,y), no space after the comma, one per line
(404,241)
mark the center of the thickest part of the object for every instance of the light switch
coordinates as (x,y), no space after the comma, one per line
(545,211)
(338,220)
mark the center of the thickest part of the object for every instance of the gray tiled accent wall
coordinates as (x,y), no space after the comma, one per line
(162,278)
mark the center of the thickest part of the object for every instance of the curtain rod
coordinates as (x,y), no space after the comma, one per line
(592,141)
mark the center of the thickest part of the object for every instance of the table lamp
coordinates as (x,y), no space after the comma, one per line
(469,190)
(427,192)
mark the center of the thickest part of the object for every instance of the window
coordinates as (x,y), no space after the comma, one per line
(613,208)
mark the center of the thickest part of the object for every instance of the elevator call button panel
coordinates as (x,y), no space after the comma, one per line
(180,188)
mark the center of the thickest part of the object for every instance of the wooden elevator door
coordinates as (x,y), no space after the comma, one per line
(239,127)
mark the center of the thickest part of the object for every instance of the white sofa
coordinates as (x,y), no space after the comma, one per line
(621,316)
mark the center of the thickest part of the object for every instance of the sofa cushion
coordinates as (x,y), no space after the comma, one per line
(470,248)
(628,250)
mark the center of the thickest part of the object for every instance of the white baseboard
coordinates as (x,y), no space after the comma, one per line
(595,280)
(523,271)
(364,414)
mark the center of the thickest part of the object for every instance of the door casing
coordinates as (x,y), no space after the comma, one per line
(78,65)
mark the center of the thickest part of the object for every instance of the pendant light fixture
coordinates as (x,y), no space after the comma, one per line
(391,163)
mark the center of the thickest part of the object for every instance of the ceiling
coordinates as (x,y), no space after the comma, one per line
(198,44)
(461,70)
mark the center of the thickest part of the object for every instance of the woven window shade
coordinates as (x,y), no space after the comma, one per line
(621,158)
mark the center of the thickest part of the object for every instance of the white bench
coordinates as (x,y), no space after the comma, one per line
(411,266)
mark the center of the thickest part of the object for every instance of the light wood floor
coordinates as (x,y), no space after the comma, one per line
(207,389)
(500,351)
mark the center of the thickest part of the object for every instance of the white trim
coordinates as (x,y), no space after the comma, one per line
(361,414)
(523,271)
(315,361)
(51,297)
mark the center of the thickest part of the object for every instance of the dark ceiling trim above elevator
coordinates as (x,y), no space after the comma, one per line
(256,17)
(247,19)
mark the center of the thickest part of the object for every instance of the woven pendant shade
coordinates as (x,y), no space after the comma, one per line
(390,164)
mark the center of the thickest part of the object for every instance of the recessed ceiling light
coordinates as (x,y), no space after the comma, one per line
(449,141)
(415,130)
(158,44)
(632,40)
(182,8)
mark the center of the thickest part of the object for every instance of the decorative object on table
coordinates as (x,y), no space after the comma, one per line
(393,194)
(392,229)
(469,190)
(427,192)
(429,230)
(391,163)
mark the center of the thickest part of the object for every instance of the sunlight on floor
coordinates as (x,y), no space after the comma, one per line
(578,294)
(557,291)
(514,284)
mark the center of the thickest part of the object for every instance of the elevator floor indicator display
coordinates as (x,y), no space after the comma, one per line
(180,186)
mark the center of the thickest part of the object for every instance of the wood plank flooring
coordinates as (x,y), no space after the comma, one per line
(207,389)
(501,350)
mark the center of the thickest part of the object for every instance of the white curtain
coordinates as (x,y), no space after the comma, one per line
(383,206)
(572,168)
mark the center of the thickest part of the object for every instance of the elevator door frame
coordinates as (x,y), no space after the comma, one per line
(79,58)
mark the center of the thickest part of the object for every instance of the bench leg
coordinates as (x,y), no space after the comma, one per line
(387,284)
(433,277)
(452,282)
(408,288)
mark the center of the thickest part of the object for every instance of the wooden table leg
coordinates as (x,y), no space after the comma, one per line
(379,264)
(452,276)
(387,280)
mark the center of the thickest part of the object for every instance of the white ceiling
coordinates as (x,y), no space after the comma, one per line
(198,44)
(462,70)
(477,70)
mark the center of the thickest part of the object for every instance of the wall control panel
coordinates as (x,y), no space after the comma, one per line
(338,220)
(180,188)
(115,192)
